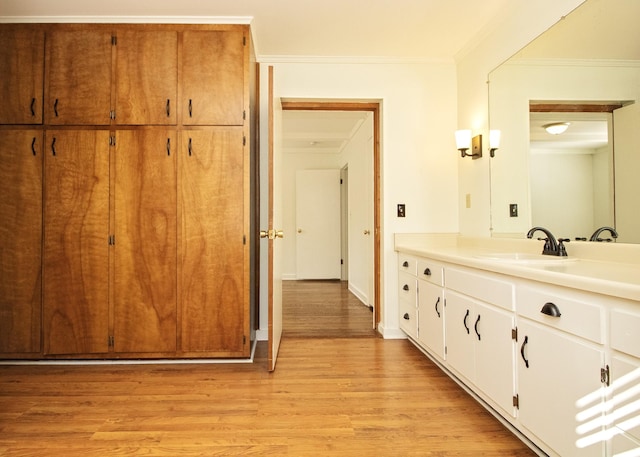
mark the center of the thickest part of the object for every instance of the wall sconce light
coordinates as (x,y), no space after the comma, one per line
(556,128)
(464,142)
(494,142)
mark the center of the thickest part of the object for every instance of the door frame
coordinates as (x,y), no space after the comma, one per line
(373,107)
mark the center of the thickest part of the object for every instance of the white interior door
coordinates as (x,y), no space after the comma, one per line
(318,224)
(626,146)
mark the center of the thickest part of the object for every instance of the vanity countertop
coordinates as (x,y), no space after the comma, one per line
(589,272)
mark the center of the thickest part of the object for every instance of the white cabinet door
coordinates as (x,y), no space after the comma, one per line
(431,317)
(459,334)
(495,355)
(559,390)
(624,397)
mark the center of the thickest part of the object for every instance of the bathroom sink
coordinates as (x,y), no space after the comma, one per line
(525,258)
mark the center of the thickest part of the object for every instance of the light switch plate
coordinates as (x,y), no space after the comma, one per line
(401,211)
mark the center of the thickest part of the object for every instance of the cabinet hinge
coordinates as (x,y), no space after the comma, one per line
(516,401)
(244,339)
(514,334)
(605,375)
(114,40)
(244,41)
(244,239)
(111,343)
(244,141)
(244,115)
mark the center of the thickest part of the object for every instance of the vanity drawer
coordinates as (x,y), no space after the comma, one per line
(408,318)
(578,316)
(407,264)
(430,271)
(407,287)
(481,286)
(625,332)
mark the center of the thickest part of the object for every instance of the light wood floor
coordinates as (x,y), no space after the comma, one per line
(327,397)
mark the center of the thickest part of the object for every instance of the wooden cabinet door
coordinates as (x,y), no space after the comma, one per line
(212,77)
(145,241)
(213,256)
(76,249)
(20,240)
(78,78)
(146,77)
(21,84)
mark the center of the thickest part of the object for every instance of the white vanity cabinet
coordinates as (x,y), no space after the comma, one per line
(623,393)
(559,389)
(431,307)
(408,295)
(479,328)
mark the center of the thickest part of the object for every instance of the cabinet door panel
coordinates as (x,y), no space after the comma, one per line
(213,77)
(78,78)
(560,392)
(460,347)
(212,251)
(146,77)
(495,353)
(145,241)
(76,250)
(21,84)
(431,317)
(20,240)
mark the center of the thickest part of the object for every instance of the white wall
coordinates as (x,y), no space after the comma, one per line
(418,169)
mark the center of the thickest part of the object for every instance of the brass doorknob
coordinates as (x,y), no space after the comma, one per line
(271,234)
(279,234)
(264,234)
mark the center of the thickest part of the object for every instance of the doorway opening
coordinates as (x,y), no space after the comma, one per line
(307,293)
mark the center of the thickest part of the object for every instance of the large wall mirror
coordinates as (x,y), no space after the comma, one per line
(583,72)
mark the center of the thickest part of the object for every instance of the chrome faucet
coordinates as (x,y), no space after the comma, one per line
(596,234)
(551,246)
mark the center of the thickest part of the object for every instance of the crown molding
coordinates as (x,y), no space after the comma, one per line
(352,60)
(127,19)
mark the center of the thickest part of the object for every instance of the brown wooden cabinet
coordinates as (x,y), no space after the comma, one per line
(78,77)
(145,241)
(22,64)
(76,249)
(213,68)
(125,213)
(146,77)
(20,241)
(213,253)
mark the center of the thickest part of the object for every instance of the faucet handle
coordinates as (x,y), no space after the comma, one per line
(562,251)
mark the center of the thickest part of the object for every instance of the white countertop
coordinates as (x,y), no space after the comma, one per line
(589,272)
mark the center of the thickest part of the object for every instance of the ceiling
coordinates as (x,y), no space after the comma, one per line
(401,29)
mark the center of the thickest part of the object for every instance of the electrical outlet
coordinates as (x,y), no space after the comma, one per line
(513,210)
(401,212)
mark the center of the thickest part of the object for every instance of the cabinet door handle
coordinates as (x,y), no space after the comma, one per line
(405,287)
(33,107)
(33,146)
(464,321)
(53,146)
(551,309)
(168,107)
(524,343)
(55,107)
(190,108)
(475,327)
(405,264)
(427,272)
(437,301)
(406,316)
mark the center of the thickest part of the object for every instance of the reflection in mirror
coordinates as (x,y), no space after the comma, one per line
(592,56)
(571,173)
